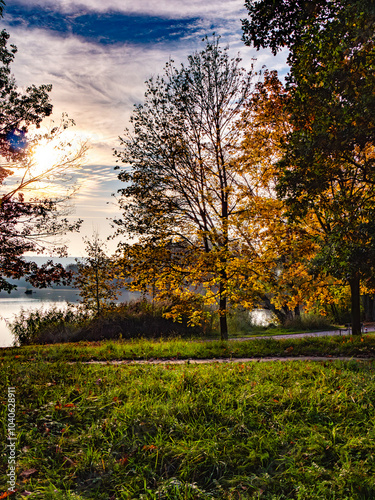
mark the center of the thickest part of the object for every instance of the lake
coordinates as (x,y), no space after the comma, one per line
(11,305)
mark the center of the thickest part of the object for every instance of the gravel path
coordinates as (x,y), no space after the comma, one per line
(331,333)
(222,360)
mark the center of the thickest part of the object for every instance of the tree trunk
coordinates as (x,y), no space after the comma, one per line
(297,312)
(97,297)
(354,283)
(223,271)
(223,312)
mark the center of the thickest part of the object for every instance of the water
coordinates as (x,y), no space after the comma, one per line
(11,305)
(261,317)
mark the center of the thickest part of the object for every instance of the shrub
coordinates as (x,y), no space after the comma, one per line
(308,322)
(138,319)
(36,327)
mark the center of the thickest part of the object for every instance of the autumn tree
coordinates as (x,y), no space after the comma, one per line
(183,187)
(283,250)
(96,277)
(28,219)
(327,167)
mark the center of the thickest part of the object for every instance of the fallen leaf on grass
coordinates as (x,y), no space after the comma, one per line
(7,494)
(27,473)
(124,460)
(149,447)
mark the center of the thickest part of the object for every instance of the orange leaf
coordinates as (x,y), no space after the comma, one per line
(7,494)
(150,447)
(124,460)
(69,405)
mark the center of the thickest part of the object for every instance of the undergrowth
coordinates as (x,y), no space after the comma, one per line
(74,323)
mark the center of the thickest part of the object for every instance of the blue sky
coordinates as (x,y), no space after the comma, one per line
(104,28)
(97,55)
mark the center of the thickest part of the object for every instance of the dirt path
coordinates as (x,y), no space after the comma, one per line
(222,360)
(331,333)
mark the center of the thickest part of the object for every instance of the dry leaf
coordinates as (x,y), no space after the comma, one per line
(27,473)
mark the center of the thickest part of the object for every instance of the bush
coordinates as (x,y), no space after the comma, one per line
(138,319)
(36,327)
(308,322)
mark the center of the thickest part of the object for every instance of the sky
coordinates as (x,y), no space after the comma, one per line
(97,54)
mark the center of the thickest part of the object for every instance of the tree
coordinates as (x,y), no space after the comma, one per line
(28,219)
(183,188)
(283,250)
(96,277)
(327,168)
(281,23)
(18,110)
(30,212)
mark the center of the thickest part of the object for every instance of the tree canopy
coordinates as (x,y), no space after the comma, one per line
(183,187)
(328,160)
(27,221)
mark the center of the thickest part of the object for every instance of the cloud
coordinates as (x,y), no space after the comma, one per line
(167,8)
(97,84)
(103,28)
(144,22)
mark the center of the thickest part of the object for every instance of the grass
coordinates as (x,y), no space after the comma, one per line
(293,430)
(363,346)
(240,323)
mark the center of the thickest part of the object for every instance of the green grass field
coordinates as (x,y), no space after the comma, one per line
(362,346)
(291,430)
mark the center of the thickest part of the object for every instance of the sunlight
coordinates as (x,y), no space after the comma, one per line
(49,168)
(45,156)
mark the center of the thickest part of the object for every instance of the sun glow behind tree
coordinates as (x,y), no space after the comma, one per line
(46,164)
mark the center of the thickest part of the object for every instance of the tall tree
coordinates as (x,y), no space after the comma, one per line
(182,184)
(26,220)
(283,250)
(329,155)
